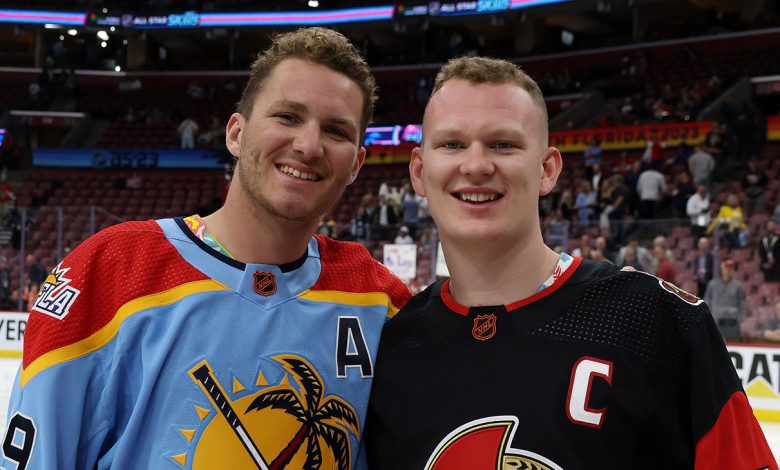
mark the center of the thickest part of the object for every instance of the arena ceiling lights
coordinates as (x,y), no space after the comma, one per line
(42,17)
(192,19)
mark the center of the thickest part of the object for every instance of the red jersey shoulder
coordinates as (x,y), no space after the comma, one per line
(348,266)
(109,269)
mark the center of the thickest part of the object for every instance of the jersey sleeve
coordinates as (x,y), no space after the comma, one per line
(725,431)
(73,386)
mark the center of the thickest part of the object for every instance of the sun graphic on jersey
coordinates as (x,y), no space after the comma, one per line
(280,426)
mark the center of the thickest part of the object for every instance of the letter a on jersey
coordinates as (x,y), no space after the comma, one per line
(577,401)
(351,348)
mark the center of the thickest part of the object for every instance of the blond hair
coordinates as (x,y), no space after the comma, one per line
(320,46)
(487,70)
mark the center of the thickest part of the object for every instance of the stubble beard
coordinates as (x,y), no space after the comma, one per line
(262,206)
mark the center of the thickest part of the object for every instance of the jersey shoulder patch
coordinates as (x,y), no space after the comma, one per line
(85,291)
(348,267)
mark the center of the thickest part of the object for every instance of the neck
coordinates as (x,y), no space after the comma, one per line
(252,236)
(494,273)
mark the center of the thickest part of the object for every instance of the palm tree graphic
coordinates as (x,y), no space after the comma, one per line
(322,418)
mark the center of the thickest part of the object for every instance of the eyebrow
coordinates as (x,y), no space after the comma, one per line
(303,109)
(493,134)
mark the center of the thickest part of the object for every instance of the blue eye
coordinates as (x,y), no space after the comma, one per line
(452,145)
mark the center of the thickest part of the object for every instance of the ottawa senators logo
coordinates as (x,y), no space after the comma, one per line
(283,426)
(686,296)
(484,444)
(265,283)
(679,293)
(484,327)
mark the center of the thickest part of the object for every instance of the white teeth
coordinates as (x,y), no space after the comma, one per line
(287,170)
(481,197)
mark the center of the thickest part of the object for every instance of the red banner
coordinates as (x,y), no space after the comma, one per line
(632,137)
(773,128)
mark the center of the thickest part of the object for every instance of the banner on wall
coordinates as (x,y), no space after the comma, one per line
(773,128)
(12,326)
(128,158)
(632,137)
(759,370)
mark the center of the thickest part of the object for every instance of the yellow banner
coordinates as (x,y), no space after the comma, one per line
(632,137)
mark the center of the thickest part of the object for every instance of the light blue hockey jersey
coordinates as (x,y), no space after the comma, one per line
(146,349)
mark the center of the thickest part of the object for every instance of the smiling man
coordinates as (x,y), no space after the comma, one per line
(237,340)
(529,359)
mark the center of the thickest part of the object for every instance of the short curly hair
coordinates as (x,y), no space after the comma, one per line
(320,46)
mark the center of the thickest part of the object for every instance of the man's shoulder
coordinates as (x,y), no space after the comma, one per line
(348,266)
(632,311)
(111,272)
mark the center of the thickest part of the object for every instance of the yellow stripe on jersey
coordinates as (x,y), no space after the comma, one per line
(104,335)
(360,299)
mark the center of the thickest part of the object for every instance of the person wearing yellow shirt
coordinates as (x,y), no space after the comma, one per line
(731,221)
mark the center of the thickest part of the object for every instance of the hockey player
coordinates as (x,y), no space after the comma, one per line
(529,359)
(239,340)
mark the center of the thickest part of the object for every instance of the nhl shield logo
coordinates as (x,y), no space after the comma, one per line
(484,327)
(265,283)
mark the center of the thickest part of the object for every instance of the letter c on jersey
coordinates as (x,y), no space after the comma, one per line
(582,375)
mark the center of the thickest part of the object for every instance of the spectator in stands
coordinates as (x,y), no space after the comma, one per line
(557,230)
(703,264)
(619,202)
(701,164)
(630,259)
(776,214)
(358,225)
(583,249)
(754,183)
(641,254)
(769,253)
(592,156)
(5,284)
(586,204)
(659,241)
(188,130)
(681,190)
(36,273)
(368,203)
(566,205)
(731,222)
(771,327)
(386,218)
(698,209)
(604,205)
(653,154)
(632,177)
(726,300)
(664,268)
(410,210)
(651,188)
(403,237)
(601,245)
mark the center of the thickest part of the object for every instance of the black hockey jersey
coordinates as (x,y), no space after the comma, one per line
(603,370)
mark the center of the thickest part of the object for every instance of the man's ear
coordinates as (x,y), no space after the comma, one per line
(415,171)
(233,133)
(360,159)
(552,164)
